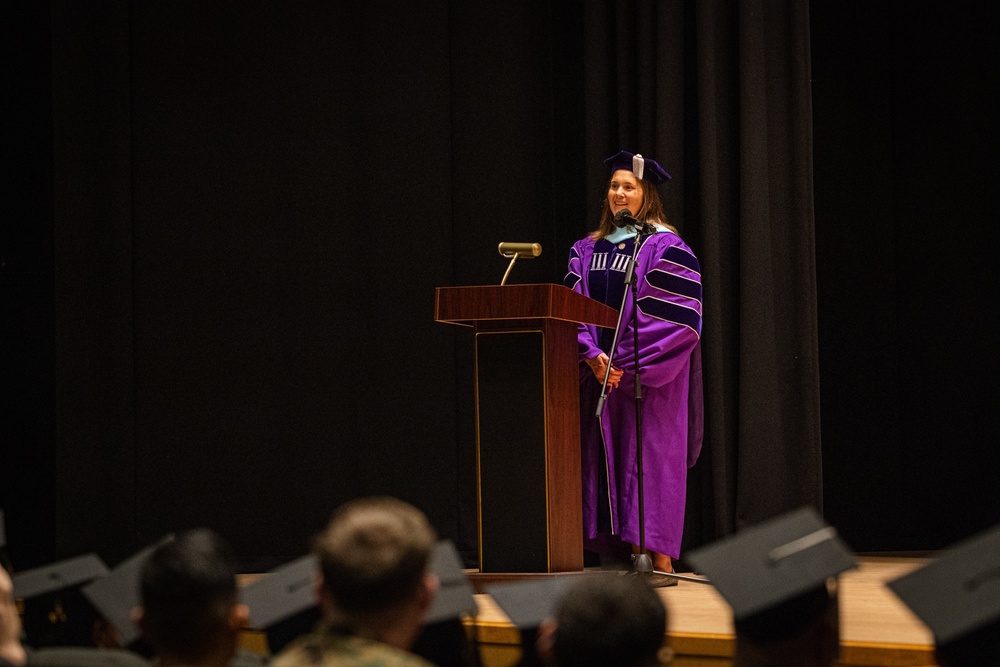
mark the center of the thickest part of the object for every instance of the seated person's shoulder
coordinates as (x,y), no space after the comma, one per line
(315,650)
(84,657)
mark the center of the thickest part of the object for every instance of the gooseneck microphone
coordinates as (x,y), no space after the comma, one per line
(515,250)
(520,249)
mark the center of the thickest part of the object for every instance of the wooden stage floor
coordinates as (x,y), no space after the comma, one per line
(876,628)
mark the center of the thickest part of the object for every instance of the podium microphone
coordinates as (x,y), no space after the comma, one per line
(515,250)
(520,249)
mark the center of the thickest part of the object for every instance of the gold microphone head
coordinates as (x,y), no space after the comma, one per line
(520,249)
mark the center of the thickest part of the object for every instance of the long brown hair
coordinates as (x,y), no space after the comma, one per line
(650,211)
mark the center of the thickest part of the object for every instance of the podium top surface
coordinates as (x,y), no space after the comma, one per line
(466,305)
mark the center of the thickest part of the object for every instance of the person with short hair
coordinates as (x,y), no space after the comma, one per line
(374,590)
(190,611)
(606,620)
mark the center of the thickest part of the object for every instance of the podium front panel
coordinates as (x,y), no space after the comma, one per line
(512,473)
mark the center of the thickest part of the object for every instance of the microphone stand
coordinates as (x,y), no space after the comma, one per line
(642,564)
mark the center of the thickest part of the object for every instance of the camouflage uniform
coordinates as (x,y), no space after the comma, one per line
(337,649)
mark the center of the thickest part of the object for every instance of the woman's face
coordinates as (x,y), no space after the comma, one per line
(624,192)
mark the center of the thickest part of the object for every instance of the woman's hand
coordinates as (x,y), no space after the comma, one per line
(599,365)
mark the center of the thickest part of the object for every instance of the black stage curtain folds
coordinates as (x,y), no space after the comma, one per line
(231,217)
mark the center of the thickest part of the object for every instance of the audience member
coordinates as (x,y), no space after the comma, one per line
(116,596)
(11,652)
(606,620)
(62,626)
(529,604)
(375,587)
(443,639)
(779,577)
(56,613)
(958,597)
(4,558)
(190,614)
(283,602)
(86,656)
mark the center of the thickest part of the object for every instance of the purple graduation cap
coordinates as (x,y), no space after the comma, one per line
(638,165)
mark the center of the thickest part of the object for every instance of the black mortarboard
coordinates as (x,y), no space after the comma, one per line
(641,167)
(775,563)
(55,577)
(455,596)
(283,602)
(528,603)
(3,532)
(958,593)
(443,640)
(55,613)
(117,594)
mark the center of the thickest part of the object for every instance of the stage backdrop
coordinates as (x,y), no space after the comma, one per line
(225,223)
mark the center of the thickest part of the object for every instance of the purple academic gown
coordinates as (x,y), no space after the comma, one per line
(668,278)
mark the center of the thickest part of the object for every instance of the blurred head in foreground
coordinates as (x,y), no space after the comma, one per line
(190,612)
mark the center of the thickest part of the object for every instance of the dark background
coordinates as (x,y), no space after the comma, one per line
(222,225)
(905,145)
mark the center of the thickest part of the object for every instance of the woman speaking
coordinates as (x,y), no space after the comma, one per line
(667,314)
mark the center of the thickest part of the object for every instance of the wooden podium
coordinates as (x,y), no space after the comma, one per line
(527,420)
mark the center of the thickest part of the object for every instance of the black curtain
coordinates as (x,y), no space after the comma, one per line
(27,275)
(906,138)
(227,222)
(252,204)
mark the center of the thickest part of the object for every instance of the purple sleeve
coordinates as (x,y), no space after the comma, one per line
(669,301)
(576,280)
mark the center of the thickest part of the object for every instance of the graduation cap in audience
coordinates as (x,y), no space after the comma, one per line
(776,575)
(283,602)
(55,612)
(455,596)
(528,604)
(641,167)
(958,597)
(443,640)
(117,594)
